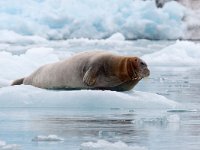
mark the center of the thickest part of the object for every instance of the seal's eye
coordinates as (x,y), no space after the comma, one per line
(143,64)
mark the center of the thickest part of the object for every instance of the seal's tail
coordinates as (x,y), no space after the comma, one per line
(18,82)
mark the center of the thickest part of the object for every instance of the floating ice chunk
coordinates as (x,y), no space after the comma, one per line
(11,147)
(117,37)
(181,53)
(4,146)
(29,96)
(151,120)
(2,143)
(158,120)
(173,118)
(49,138)
(105,145)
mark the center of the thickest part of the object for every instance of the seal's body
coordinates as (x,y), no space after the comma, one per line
(89,70)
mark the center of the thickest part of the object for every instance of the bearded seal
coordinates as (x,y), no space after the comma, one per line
(89,70)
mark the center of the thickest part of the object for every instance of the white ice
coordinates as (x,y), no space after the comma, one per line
(93,19)
(14,66)
(105,145)
(182,53)
(28,96)
(5,146)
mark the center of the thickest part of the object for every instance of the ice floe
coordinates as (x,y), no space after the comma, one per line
(182,53)
(173,118)
(105,145)
(29,96)
(49,138)
(5,146)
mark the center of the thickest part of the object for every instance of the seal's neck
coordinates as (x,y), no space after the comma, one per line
(120,68)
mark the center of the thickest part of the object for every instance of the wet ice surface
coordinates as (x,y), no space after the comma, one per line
(134,128)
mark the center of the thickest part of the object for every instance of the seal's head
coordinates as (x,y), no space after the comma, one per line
(137,68)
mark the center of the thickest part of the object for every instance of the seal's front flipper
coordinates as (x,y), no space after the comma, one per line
(90,76)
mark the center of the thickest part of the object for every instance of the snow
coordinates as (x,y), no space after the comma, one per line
(182,53)
(105,145)
(49,138)
(92,19)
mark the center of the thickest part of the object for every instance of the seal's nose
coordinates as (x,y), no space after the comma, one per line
(147,72)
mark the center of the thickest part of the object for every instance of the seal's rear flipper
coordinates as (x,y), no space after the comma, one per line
(18,82)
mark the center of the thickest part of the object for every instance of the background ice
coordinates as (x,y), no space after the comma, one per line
(5,146)
(92,19)
(182,53)
(15,66)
